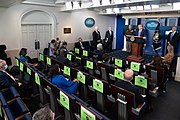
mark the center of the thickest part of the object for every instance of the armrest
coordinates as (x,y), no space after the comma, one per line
(111,98)
(91,88)
(21,116)
(112,77)
(137,110)
(154,92)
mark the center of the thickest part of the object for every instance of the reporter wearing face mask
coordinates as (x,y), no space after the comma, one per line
(6,80)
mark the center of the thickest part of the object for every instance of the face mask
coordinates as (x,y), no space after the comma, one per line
(5,67)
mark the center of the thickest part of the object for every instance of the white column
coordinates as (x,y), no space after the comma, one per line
(177,77)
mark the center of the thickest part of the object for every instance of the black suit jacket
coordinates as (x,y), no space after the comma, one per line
(6,80)
(143,34)
(175,41)
(79,45)
(96,36)
(128,86)
(109,36)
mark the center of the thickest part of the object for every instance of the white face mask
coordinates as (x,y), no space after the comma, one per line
(5,67)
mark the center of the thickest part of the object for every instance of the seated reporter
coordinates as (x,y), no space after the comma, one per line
(99,50)
(6,80)
(24,58)
(62,58)
(158,62)
(127,85)
(61,82)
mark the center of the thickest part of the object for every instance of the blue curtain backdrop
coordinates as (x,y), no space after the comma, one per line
(120,32)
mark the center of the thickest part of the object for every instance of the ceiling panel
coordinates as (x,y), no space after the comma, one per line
(7,3)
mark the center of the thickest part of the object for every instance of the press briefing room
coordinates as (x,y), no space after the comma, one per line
(89,59)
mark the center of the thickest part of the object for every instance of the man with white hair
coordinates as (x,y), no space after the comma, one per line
(127,85)
(96,37)
(99,50)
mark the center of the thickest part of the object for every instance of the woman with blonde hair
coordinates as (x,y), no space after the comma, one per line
(167,59)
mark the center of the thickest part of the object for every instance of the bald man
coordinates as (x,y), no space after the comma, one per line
(127,85)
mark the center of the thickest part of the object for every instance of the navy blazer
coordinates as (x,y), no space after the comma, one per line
(175,41)
(143,34)
(130,87)
(109,37)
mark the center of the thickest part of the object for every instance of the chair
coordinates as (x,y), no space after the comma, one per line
(157,75)
(8,95)
(122,96)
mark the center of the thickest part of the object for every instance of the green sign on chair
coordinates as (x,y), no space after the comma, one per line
(81,77)
(69,56)
(135,66)
(67,70)
(89,64)
(98,85)
(64,100)
(28,71)
(17,62)
(85,53)
(87,115)
(37,79)
(119,74)
(21,66)
(141,81)
(76,50)
(118,62)
(48,61)
(41,57)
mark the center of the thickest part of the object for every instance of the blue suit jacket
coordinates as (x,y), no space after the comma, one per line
(143,34)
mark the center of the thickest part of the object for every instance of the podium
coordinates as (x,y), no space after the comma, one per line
(137,49)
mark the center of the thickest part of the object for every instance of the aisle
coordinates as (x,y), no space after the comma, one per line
(166,106)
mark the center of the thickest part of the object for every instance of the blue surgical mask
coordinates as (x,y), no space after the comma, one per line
(5,67)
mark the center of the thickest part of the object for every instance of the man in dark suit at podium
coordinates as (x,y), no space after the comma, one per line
(96,37)
(173,39)
(109,39)
(142,34)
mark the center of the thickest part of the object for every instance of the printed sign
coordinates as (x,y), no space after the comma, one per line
(81,77)
(141,81)
(87,115)
(64,100)
(98,85)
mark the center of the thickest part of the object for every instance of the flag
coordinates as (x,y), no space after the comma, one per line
(156,39)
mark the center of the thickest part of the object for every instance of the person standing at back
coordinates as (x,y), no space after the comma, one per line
(109,39)
(96,37)
(173,39)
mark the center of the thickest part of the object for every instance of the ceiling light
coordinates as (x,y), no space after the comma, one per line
(133,8)
(76,5)
(105,2)
(155,6)
(118,1)
(139,7)
(147,7)
(109,10)
(96,2)
(68,5)
(116,10)
(176,6)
